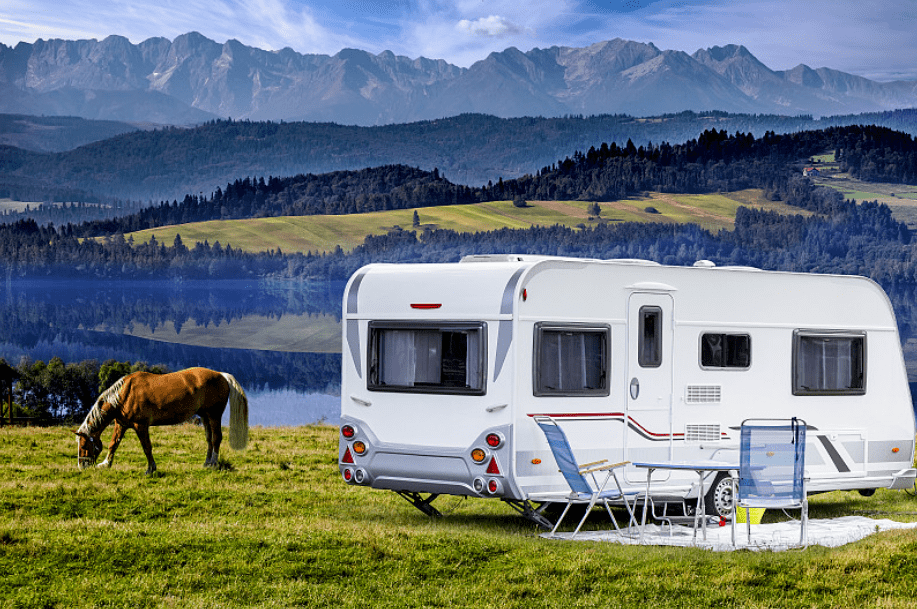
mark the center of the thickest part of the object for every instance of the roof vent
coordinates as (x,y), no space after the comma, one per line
(704,264)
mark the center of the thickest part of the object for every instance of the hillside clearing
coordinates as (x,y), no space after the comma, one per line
(324,233)
(900,198)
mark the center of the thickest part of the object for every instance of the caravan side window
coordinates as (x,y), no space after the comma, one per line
(725,351)
(829,363)
(427,358)
(649,350)
(571,360)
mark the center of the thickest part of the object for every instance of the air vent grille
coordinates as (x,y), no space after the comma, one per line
(702,433)
(703,394)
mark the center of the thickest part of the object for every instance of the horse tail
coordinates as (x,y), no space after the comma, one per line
(238,413)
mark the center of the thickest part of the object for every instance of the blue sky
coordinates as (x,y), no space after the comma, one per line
(876,39)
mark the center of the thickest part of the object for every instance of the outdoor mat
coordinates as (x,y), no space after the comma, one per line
(769,537)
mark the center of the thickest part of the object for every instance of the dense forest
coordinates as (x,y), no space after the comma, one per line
(713,162)
(839,236)
(470,149)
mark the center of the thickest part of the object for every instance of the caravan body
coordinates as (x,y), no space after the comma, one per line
(445,366)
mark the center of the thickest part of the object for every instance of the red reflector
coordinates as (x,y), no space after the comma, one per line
(348,458)
(492,486)
(425,305)
(493,468)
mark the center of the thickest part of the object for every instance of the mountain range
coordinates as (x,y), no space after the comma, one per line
(193,79)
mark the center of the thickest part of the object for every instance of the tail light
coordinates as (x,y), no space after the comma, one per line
(347,474)
(348,431)
(347,458)
(494,487)
(494,440)
(493,468)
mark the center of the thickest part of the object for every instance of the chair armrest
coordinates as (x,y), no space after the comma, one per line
(585,465)
(603,467)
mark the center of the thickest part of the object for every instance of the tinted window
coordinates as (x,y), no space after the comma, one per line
(725,351)
(430,359)
(571,360)
(829,364)
(650,338)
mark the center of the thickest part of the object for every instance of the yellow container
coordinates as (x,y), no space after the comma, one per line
(756,514)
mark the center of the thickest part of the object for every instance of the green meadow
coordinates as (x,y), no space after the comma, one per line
(324,233)
(275,526)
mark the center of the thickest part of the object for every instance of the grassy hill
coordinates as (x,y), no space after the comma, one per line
(324,233)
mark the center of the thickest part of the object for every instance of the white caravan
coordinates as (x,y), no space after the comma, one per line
(445,365)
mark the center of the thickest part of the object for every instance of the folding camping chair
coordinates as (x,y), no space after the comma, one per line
(575,475)
(772,468)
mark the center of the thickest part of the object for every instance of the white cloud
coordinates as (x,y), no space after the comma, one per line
(492,26)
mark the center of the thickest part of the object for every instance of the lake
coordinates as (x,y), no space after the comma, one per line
(281,340)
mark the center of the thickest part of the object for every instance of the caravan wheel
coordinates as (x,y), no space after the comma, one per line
(718,500)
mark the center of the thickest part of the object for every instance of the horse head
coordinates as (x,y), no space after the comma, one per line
(88,449)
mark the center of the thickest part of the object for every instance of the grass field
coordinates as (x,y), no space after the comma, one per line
(324,233)
(276,527)
(900,198)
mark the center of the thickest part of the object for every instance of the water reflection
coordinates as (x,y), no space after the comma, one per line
(286,407)
(281,341)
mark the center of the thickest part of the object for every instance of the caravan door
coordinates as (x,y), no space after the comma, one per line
(650,330)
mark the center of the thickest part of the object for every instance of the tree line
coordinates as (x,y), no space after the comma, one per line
(55,391)
(472,149)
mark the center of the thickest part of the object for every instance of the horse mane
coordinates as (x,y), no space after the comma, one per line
(95,420)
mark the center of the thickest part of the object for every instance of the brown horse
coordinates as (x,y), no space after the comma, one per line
(142,399)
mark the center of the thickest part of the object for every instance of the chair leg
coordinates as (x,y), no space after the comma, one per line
(559,520)
(585,516)
(610,515)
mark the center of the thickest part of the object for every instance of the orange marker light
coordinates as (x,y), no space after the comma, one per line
(536,461)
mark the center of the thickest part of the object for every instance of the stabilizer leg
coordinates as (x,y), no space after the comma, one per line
(420,503)
(530,513)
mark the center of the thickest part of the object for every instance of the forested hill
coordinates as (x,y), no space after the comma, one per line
(713,162)
(837,236)
(470,149)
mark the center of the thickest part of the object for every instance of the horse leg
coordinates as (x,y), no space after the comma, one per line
(210,461)
(116,438)
(143,433)
(214,438)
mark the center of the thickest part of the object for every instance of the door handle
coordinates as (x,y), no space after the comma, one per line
(634,388)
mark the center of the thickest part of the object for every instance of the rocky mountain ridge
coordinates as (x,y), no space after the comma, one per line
(193,79)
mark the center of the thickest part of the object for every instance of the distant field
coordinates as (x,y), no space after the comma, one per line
(901,198)
(10,205)
(323,233)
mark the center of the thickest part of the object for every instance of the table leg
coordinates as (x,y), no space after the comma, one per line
(646,500)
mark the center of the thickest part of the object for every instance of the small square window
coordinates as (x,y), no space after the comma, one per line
(649,350)
(571,360)
(829,363)
(725,351)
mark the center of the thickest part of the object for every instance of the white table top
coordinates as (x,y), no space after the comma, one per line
(699,465)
